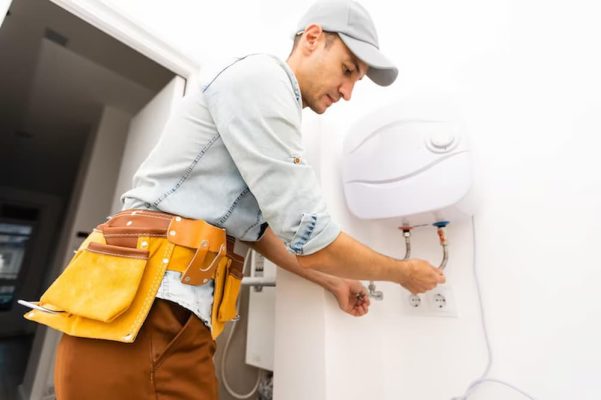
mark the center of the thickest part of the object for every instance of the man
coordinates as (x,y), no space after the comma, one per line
(231,155)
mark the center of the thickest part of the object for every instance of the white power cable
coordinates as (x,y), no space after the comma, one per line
(483,378)
(228,388)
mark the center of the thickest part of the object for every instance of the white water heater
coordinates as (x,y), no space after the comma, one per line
(408,161)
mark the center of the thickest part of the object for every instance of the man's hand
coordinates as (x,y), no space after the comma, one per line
(420,276)
(352,296)
(347,258)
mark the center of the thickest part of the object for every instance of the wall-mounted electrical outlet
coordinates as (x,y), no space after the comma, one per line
(438,302)
(415,301)
(441,302)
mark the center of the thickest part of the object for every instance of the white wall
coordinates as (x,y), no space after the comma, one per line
(525,74)
(526,77)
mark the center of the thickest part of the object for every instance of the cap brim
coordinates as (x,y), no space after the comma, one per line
(381,70)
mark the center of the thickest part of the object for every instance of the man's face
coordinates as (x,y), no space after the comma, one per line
(331,73)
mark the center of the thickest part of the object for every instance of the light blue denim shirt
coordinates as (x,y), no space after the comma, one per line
(232,154)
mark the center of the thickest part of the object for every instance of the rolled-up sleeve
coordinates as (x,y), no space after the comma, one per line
(259,120)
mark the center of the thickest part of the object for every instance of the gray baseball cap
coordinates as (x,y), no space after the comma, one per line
(351,21)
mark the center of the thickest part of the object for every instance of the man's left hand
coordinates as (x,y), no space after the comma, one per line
(352,297)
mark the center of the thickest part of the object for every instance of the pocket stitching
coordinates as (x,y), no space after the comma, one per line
(115,254)
(152,293)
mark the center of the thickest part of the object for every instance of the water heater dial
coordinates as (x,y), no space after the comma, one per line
(441,142)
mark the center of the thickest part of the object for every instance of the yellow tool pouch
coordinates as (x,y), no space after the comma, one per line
(228,279)
(99,283)
(106,291)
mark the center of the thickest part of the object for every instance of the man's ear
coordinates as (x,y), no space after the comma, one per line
(312,37)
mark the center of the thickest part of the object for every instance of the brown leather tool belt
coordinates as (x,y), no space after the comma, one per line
(207,244)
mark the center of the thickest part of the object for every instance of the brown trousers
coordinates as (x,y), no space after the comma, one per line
(172,358)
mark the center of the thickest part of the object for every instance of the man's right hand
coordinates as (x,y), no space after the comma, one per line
(419,276)
(347,258)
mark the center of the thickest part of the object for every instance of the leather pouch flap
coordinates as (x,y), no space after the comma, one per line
(99,283)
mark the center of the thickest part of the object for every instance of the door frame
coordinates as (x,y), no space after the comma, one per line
(113,21)
(4,7)
(116,23)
